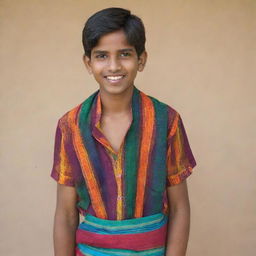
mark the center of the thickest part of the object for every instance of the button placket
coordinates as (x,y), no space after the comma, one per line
(118,175)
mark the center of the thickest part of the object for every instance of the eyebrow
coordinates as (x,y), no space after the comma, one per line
(121,50)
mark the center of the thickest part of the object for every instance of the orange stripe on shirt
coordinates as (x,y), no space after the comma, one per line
(148,119)
(64,162)
(174,126)
(91,182)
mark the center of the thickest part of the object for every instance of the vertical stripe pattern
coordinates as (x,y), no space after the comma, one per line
(131,183)
(148,121)
(87,168)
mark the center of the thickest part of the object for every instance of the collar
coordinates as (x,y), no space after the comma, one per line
(96,114)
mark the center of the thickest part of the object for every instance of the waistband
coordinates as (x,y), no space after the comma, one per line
(138,234)
(136,225)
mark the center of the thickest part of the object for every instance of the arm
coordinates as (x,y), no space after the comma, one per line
(179,220)
(66,221)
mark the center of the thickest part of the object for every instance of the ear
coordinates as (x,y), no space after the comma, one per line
(142,61)
(87,63)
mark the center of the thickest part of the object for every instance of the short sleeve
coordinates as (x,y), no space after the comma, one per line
(65,163)
(180,159)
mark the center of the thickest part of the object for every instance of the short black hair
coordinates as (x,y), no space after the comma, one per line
(110,20)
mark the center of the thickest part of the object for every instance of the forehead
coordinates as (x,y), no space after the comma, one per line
(113,41)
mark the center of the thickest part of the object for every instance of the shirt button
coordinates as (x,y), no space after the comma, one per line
(119,197)
(119,175)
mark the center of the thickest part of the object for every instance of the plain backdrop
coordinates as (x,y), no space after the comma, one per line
(201,62)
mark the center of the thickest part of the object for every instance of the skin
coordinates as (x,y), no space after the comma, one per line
(113,56)
(179,220)
(66,220)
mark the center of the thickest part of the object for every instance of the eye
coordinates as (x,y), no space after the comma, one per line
(101,56)
(125,54)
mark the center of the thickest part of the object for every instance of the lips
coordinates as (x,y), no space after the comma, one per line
(115,78)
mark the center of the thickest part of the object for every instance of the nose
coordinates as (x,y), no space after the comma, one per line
(114,65)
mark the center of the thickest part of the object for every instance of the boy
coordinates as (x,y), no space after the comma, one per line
(121,157)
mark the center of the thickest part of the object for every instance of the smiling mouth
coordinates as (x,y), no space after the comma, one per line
(114,79)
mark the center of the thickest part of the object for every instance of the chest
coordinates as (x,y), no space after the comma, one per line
(115,129)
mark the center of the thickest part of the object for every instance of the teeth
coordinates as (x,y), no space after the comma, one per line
(114,77)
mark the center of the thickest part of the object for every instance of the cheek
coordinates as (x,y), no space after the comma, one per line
(97,67)
(131,67)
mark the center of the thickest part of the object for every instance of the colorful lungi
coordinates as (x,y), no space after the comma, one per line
(137,236)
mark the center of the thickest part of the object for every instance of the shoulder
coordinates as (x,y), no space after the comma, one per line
(173,114)
(69,117)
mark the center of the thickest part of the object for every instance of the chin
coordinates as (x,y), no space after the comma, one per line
(115,89)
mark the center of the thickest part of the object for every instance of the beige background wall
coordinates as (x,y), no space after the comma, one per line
(201,62)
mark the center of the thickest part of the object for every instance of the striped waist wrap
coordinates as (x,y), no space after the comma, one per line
(138,236)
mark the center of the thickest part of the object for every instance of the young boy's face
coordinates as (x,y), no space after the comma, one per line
(114,63)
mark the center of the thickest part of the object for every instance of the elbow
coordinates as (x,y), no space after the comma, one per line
(180,208)
(67,218)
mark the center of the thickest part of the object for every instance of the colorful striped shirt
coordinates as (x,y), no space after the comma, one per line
(155,153)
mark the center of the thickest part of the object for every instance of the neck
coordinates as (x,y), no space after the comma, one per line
(116,104)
